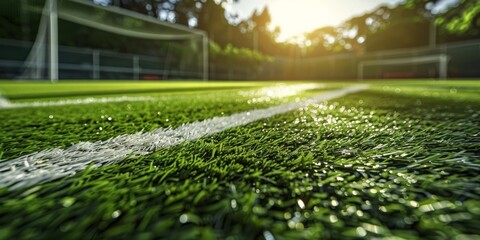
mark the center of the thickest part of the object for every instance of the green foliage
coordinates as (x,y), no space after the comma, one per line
(211,18)
(462,19)
(404,26)
(237,56)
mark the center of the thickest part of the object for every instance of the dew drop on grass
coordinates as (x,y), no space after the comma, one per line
(233,203)
(299,226)
(351,209)
(348,152)
(361,232)
(413,203)
(116,214)
(372,228)
(359,213)
(183,218)
(333,219)
(68,201)
(268,235)
(291,224)
(301,204)
(51,117)
(445,218)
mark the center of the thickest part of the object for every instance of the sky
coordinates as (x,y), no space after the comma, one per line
(295,17)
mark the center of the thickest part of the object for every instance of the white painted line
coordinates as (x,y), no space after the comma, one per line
(4,103)
(57,163)
(7,104)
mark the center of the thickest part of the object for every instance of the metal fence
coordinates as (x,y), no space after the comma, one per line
(463,61)
(84,63)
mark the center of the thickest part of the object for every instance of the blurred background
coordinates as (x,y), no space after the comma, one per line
(239,40)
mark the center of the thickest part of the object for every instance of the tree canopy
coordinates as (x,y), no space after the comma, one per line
(406,25)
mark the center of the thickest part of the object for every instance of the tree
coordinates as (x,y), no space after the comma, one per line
(260,32)
(464,19)
(323,41)
(211,18)
(405,26)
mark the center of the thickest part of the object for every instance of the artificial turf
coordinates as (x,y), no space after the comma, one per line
(28,130)
(398,161)
(40,89)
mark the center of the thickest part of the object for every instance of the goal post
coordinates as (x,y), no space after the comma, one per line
(53,27)
(438,60)
(112,20)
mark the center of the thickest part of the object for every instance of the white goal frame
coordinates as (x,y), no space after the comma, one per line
(440,59)
(52,13)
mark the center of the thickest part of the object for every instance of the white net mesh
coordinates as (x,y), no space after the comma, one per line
(36,63)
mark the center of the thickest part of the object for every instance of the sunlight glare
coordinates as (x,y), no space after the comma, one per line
(298,17)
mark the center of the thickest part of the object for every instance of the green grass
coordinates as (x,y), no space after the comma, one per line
(34,129)
(21,90)
(398,161)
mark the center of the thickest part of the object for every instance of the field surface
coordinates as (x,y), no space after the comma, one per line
(247,160)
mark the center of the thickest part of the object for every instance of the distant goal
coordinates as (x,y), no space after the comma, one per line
(432,66)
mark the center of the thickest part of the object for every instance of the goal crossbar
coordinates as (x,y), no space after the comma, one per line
(138,25)
(440,59)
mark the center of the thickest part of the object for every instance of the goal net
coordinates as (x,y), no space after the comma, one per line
(432,66)
(77,39)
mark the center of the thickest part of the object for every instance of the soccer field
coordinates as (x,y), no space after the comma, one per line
(244,160)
